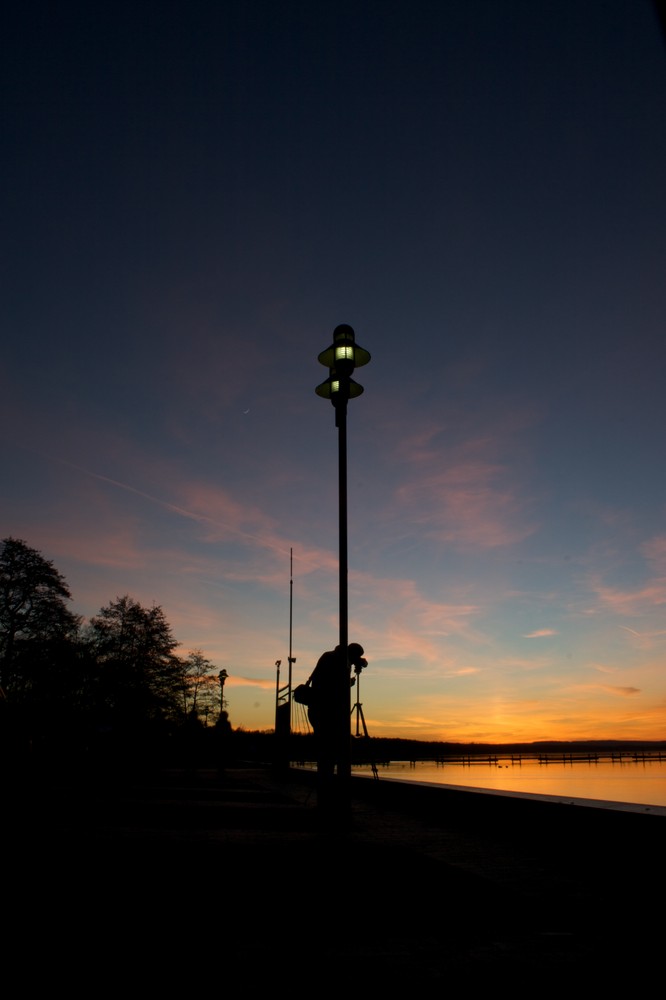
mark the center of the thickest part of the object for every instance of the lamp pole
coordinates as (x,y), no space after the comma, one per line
(277,692)
(222,676)
(342,357)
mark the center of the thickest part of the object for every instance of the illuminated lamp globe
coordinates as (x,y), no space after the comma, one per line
(335,388)
(344,354)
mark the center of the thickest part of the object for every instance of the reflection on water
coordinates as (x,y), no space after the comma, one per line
(642,782)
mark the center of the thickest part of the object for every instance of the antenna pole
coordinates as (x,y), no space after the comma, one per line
(291,615)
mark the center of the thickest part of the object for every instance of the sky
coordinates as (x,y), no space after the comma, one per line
(196,194)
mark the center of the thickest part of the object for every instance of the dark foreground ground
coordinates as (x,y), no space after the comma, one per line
(189,880)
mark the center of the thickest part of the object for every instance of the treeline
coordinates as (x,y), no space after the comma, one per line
(113,685)
(258,746)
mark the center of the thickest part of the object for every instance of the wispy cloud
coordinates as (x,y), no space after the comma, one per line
(646,640)
(624,692)
(413,625)
(630,602)
(211,507)
(266,684)
(654,551)
(462,493)
(466,507)
(540,633)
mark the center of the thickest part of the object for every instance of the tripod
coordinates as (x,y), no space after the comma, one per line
(360,720)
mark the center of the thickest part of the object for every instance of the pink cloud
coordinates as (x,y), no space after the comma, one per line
(257,682)
(464,505)
(631,602)
(640,600)
(416,622)
(462,493)
(654,550)
(603,669)
(220,518)
(540,633)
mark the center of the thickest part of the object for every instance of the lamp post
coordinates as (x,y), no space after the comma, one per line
(278,664)
(222,676)
(341,358)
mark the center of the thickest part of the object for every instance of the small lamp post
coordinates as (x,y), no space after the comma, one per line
(342,357)
(222,678)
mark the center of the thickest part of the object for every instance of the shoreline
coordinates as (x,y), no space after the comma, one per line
(572,800)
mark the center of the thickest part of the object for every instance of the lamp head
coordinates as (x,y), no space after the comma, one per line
(344,354)
(338,389)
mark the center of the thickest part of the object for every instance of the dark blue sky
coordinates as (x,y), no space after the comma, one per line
(195,195)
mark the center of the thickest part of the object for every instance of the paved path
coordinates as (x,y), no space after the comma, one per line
(188,876)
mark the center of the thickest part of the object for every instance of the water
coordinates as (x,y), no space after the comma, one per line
(640,782)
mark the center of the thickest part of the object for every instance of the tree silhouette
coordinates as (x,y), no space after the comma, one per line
(201,687)
(138,676)
(37,629)
(112,689)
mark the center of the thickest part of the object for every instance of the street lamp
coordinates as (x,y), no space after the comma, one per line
(342,357)
(222,676)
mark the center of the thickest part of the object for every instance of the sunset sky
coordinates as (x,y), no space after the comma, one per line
(196,194)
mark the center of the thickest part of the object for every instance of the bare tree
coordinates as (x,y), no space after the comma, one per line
(200,686)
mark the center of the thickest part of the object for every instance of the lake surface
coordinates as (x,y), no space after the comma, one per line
(640,782)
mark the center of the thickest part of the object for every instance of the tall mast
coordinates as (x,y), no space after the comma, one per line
(283,694)
(291,614)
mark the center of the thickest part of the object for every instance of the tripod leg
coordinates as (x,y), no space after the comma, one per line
(373,765)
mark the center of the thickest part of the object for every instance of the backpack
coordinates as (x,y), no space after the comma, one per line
(304,694)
